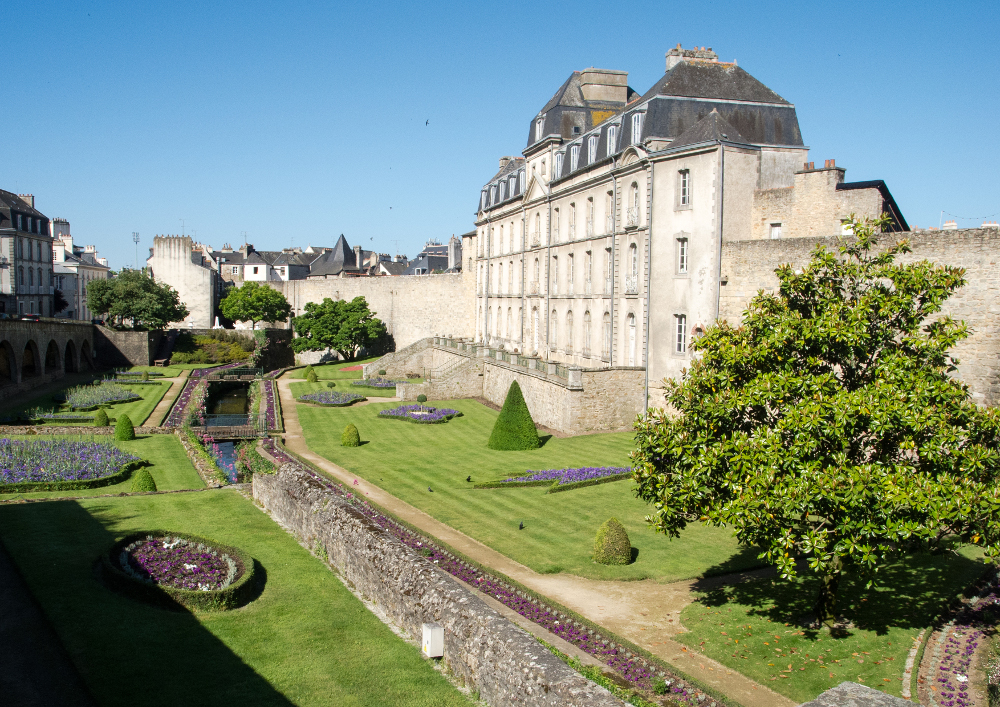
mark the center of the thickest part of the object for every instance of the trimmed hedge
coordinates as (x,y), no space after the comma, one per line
(351,437)
(142,482)
(101,418)
(32,486)
(554,486)
(236,594)
(511,484)
(612,546)
(124,431)
(331,405)
(514,429)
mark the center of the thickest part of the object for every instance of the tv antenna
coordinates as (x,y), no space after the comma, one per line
(182,225)
(135,239)
(396,243)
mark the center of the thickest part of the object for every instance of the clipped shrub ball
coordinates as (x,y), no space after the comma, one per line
(123,429)
(514,429)
(350,437)
(100,418)
(612,546)
(421,398)
(331,384)
(382,372)
(142,482)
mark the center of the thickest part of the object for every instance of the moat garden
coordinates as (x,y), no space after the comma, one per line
(292,633)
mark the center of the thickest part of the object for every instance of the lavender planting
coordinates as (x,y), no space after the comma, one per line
(331,397)
(104,393)
(633,668)
(177,563)
(377,383)
(571,476)
(46,460)
(419,413)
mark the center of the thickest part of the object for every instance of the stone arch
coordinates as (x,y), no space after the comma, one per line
(52,357)
(31,364)
(69,358)
(8,364)
(86,360)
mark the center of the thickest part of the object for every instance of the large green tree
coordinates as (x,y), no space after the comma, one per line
(131,298)
(341,325)
(828,429)
(255,302)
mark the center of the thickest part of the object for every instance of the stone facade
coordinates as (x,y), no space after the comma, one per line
(488,652)
(176,261)
(748,266)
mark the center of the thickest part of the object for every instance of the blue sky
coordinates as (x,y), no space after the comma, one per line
(294,122)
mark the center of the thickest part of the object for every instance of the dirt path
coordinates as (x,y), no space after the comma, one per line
(646,613)
(159,413)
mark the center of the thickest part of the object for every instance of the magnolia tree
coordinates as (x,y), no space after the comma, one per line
(342,325)
(829,429)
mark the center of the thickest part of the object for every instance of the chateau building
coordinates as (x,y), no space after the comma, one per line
(602,246)
(74,267)
(26,278)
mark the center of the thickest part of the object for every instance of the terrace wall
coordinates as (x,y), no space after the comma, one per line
(491,654)
(123,349)
(35,353)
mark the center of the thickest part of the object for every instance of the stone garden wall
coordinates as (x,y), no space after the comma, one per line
(491,654)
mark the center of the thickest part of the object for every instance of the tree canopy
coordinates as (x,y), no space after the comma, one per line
(255,302)
(133,299)
(341,325)
(828,429)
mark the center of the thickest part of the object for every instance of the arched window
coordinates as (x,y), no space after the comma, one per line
(569,332)
(510,329)
(572,222)
(586,334)
(536,237)
(570,273)
(479,323)
(502,244)
(555,226)
(536,275)
(555,275)
(606,344)
(609,212)
(633,259)
(510,277)
(489,322)
(632,212)
(500,280)
(554,331)
(631,333)
(590,216)
(534,329)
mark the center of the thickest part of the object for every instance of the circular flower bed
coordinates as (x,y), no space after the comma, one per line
(420,413)
(332,398)
(169,568)
(60,464)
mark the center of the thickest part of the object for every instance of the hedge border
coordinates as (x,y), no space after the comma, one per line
(32,486)
(511,484)
(235,595)
(554,486)
(417,422)
(330,405)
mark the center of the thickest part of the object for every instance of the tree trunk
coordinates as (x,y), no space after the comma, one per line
(826,602)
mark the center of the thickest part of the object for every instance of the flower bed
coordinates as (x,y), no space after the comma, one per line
(562,479)
(167,567)
(59,417)
(424,414)
(55,464)
(90,397)
(635,669)
(332,398)
(382,383)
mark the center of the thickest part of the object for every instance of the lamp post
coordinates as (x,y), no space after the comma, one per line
(135,239)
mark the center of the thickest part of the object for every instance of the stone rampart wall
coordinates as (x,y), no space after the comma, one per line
(125,348)
(491,654)
(749,266)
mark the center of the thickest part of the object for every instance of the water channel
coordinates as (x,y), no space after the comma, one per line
(229,398)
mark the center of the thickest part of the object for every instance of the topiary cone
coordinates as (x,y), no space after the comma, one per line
(612,546)
(142,482)
(124,431)
(100,418)
(514,428)
(311,376)
(351,437)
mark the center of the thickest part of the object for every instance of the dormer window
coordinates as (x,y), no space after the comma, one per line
(574,157)
(520,177)
(503,190)
(482,201)
(539,129)
(636,128)
(559,163)
(612,137)
(493,195)
(513,185)
(591,149)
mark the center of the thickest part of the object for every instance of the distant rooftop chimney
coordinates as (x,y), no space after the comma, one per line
(949,226)
(676,55)
(604,85)
(504,161)
(990,224)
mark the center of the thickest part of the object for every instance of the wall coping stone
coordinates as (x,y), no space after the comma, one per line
(852,694)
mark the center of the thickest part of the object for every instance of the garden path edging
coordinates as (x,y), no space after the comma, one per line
(488,651)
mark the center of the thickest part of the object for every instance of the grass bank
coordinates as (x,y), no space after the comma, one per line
(334,371)
(559,529)
(305,640)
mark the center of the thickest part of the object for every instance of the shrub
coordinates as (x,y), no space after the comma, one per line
(220,346)
(142,482)
(350,437)
(381,372)
(514,428)
(311,375)
(123,429)
(145,375)
(101,418)
(612,546)
(421,398)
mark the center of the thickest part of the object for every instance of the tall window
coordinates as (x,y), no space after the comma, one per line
(570,274)
(609,212)
(31,277)
(510,277)
(41,280)
(682,255)
(559,164)
(536,236)
(633,260)
(680,338)
(632,211)
(684,187)
(606,344)
(512,183)
(569,332)
(510,330)
(503,190)
(536,271)
(572,222)
(591,149)
(482,200)
(555,275)
(539,128)
(545,172)
(586,334)
(493,195)
(590,216)
(554,328)
(555,225)
(631,333)
(500,279)
(612,138)
(574,157)
(607,271)
(503,243)
(588,264)
(636,128)
(776,231)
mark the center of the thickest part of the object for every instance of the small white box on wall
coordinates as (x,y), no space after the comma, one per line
(433,643)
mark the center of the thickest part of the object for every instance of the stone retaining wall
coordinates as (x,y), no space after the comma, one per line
(492,655)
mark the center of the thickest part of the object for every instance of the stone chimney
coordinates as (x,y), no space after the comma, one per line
(703,54)
(357,256)
(29,199)
(454,252)
(604,85)
(504,161)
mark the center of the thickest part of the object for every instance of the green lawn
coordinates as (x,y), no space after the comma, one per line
(406,458)
(137,410)
(174,369)
(751,627)
(306,640)
(333,371)
(168,463)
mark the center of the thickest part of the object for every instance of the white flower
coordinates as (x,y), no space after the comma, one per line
(963,678)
